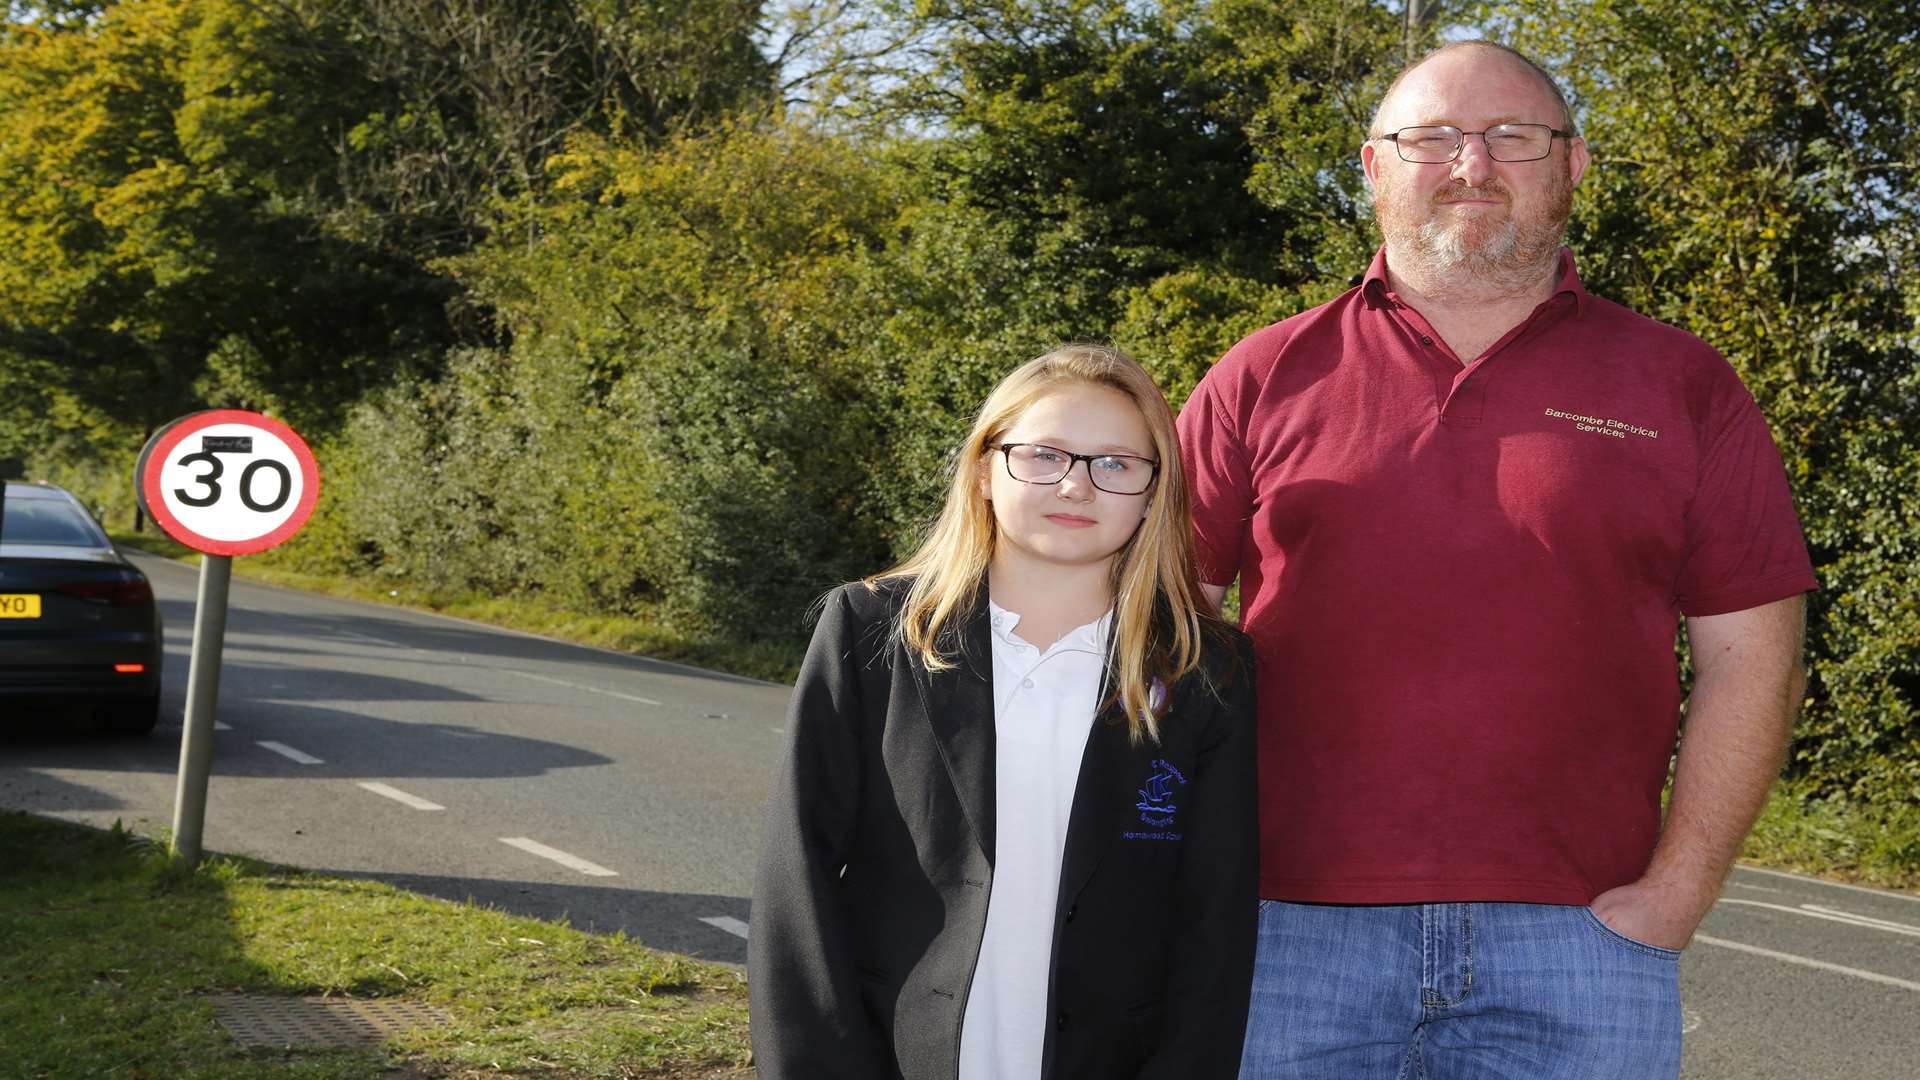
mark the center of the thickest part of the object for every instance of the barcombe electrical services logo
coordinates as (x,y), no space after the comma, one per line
(1603,425)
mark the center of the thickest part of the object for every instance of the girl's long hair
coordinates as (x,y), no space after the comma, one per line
(1159,617)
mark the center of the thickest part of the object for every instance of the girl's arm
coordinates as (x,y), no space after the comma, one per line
(807,1019)
(1216,907)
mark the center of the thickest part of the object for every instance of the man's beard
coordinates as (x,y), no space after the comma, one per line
(1518,245)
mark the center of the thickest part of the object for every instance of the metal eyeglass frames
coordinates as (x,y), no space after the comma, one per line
(1437,144)
(1115,474)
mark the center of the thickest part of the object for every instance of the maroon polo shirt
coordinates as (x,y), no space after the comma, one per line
(1463,584)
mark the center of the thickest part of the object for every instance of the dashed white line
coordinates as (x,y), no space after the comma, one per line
(728,923)
(571,862)
(1845,918)
(1807,961)
(580,686)
(1755,888)
(218,726)
(1868,920)
(289,752)
(399,796)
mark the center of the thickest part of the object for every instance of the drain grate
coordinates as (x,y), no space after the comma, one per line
(262,1020)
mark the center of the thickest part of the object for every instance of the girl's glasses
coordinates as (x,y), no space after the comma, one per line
(1115,474)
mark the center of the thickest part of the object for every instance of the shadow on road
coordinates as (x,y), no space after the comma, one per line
(354,746)
(415,630)
(659,920)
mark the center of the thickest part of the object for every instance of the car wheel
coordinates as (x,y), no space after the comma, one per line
(132,718)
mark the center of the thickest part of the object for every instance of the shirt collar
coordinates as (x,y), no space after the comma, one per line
(1374,287)
(1091,637)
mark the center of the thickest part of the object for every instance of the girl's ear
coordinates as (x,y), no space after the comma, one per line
(983,477)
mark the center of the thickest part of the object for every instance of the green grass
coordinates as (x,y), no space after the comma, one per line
(1834,837)
(106,948)
(773,661)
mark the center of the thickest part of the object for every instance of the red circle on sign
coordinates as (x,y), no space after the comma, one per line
(154,458)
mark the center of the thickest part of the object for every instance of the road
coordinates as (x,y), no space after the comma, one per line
(623,793)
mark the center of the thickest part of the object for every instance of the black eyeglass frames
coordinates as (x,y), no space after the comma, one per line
(1437,144)
(1115,474)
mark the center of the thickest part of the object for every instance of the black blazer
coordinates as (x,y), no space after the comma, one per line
(876,865)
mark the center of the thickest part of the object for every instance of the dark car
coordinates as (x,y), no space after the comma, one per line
(78,624)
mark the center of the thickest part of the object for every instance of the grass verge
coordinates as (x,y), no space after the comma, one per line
(105,948)
(1832,836)
(773,661)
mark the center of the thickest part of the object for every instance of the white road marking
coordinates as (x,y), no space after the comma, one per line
(1805,961)
(728,923)
(290,753)
(218,726)
(579,686)
(523,674)
(399,796)
(1889,924)
(1812,912)
(571,862)
(1829,884)
(1689,1021)
(1755,888)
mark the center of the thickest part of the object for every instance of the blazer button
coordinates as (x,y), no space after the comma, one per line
(1070,911)
(1060,1021)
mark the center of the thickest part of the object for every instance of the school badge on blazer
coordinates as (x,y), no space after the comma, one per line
(1159,804)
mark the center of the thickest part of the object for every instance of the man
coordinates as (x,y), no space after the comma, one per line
(1467,503)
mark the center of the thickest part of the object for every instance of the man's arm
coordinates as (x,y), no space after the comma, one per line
(1214,594)
(1747,685)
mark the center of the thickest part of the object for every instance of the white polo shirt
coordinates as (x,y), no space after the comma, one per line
(1043,708)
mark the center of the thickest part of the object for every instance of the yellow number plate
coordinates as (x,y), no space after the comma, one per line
(19,606)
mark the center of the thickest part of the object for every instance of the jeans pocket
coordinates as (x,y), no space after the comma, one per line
(1660,952)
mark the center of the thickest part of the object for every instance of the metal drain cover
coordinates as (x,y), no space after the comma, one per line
(263,1020)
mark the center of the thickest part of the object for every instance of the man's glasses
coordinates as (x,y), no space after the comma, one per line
(1437,144)
(1115,474)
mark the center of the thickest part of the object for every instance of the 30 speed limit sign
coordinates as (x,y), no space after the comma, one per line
(227,482)
(224,483)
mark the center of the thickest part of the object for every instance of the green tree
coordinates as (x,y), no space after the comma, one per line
(680,424)
(154,249)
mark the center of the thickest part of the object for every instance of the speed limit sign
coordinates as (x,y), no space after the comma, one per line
(224,483)
(228,482)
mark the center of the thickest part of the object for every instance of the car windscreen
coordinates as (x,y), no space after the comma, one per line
(46,521)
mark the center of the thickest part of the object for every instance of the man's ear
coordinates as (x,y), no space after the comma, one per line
(1370,163)
(1576,159)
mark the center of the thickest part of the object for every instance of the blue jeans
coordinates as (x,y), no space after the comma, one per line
(1458,992)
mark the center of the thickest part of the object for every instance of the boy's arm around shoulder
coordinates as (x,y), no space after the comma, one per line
(1216,922)
(807,1019)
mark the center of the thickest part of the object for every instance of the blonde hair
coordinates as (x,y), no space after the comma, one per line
(1159,619)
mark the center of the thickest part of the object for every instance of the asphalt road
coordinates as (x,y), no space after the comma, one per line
(623,793)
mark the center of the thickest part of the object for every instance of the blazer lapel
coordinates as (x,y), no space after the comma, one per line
(1098,800)
(959,704)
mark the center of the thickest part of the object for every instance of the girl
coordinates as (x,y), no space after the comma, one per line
(1014,834)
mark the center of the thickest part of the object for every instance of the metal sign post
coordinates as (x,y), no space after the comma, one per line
(203,693)
(223,483)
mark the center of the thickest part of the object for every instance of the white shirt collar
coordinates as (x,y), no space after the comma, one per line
(1091,637)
